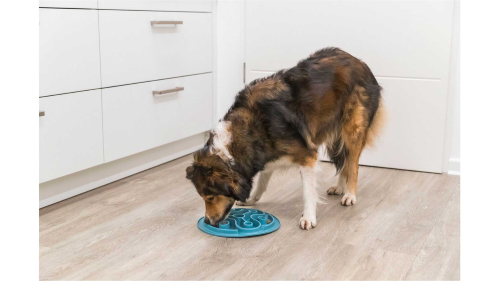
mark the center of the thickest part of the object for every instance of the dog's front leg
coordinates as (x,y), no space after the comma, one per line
(308,219)
(258,189)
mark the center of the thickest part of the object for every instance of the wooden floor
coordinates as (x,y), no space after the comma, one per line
(406,225)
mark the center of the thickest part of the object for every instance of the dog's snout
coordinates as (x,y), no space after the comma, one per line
(210,222)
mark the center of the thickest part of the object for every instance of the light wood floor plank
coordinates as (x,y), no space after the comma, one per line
(439,258)
(99,215)
(50,259)
(351,262)
(403,220)
(144,227)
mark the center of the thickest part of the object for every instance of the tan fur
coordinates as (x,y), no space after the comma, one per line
(310,161)
(377,125)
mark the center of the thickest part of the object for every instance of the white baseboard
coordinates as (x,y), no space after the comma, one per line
(71,185)
(454,166)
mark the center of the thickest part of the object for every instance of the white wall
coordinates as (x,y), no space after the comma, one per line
(230,52)
(453,159)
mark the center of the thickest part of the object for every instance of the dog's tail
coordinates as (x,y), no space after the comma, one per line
(376,125)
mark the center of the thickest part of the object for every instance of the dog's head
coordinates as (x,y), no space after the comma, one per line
(217,183)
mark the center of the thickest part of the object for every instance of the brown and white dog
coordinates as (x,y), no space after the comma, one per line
(330,98)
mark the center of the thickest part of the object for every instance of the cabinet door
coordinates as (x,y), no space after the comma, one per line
(69,51)
(135,50)
(135,119)
(405,43)
(70,133)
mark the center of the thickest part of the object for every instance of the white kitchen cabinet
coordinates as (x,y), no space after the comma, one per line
(69,51)
(135,50)
(82,132)
(70,129)
(83,4)
(135,119)
(405,43)
(158,5)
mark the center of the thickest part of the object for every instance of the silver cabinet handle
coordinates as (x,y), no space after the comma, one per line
(167,92)
(166,22)
(41,113)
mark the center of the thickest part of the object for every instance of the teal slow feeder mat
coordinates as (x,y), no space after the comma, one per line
(242,223)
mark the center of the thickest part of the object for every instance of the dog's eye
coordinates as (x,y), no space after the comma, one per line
(210,198)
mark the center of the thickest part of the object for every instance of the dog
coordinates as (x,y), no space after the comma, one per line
(330,98)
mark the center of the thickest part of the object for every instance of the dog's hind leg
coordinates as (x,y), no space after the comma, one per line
(354,134)
(341,185)
(337,152)
(351,168)
(258,189)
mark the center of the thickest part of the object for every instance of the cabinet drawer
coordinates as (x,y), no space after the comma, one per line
(133,50)
(136,120)
(69,51)
(70,133)
(86,4)
(158,5)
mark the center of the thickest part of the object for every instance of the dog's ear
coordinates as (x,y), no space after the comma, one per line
(189,172)
(206,171)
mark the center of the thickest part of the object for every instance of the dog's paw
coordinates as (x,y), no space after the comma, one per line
(307,223)
(247,203)
(348,199)
(335,190)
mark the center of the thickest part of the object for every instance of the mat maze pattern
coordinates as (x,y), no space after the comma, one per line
(242,223)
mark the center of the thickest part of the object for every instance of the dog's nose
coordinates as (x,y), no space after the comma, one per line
(207,221)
